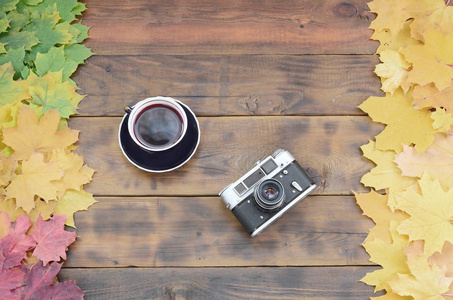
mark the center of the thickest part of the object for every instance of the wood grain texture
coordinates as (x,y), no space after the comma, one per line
(229,27)
(231,85)
(328,147)
(194,231)
(339,283)
(241,66)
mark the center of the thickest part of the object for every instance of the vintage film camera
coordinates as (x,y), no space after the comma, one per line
(267,191)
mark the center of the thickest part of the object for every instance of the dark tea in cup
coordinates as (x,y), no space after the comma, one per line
(157,124)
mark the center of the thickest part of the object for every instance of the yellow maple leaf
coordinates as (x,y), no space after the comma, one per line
(36,179)
(431,214)
(375,207)
(441,19)
(73,201)
(393,71)
(425,282)
(428,96)
(9,206)
(442,120)
(391,296)
(42,208)
(388,41)
(386,174)
(7,168)
(432,61)
(436,161)
(32,135)
(8,114)
(405,125)
(75,173)
(392,14)
(390,256)
(5,225)
(8,118)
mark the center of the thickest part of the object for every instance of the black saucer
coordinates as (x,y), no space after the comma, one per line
(161,161)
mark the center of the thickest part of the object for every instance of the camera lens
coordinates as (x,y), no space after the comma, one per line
(269,195)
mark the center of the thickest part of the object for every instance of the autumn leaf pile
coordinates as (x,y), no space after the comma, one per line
(412,239)
(41,179)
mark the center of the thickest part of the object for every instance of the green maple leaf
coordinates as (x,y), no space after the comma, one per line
(78,9)
(16,40)
(37,26)
(18,20)
(64,7)
(48,35)
(83,32)
(24,5)
(25,72)
(32,2)
(58,58)
(51,92)
(4,23)
(70,67)
(73,31)
(8,5)
(16,58)
(51,61)
(77,53)
(11,91)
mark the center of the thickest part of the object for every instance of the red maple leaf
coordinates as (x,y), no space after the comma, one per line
(38,284)
(51,239)
(13,247)
(10,279)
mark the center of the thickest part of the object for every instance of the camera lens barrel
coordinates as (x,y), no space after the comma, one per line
(269,195)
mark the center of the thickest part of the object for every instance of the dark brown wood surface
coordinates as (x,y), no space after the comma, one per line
(230,27)
(231,85)
(327,146)
(222,283)
(201,231)
(260,75)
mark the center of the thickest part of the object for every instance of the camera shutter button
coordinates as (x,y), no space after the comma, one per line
(296,186)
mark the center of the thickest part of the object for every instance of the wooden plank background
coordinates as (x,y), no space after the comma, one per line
(231,85)
(260,75)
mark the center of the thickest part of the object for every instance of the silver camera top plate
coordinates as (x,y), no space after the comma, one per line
(234,193)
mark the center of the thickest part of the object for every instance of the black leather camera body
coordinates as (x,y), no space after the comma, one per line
(267,191)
